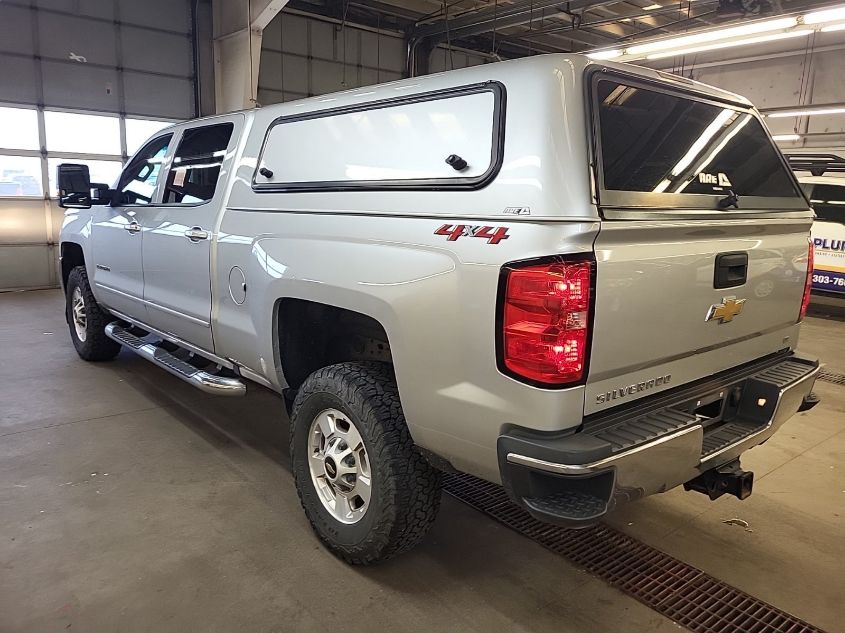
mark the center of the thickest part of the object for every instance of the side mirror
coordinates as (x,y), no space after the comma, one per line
(74,186)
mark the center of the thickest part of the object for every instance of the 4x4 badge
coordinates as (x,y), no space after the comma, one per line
(493,234)
(726,311)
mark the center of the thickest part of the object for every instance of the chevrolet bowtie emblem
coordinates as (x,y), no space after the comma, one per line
(726,311)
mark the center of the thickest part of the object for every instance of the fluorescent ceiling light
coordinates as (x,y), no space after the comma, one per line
(786,137)
(718,45)
(712,36)
(807,112)
(833,27)
(652,7)
(609,54)
(828,15)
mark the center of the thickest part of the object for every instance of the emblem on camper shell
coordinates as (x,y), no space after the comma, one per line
(726,311)
(493,234)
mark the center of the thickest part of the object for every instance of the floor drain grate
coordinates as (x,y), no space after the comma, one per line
(686,595)
(830,376)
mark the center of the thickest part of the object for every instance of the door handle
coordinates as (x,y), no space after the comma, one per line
(731,270)
(132,227)
(196,234)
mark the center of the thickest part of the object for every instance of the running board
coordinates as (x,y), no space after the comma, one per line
(210,383)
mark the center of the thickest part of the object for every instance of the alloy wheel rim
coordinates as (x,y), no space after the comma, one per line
(78,314)
(339,466)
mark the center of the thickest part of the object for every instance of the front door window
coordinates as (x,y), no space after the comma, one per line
(139,180)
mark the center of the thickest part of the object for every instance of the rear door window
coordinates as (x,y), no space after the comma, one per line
(653,141)
(196,165)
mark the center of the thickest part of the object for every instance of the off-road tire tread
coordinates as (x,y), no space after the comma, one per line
(97,346)
(410,487)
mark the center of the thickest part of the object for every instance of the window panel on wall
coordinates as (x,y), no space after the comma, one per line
(18,128)
(101,171)
(82,133)
(20,176)
(139,130)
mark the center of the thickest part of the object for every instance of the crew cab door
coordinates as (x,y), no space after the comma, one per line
(179,231)
(116,234)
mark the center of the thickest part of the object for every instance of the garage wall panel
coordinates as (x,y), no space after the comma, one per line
(294,33)
(153,96)
(271,71)
(156,51)
(15,29)
(80,86)
(62,35)
(92,8)
(173,15)
(303,57)
(442,59)
(127,57)
(19,79)
(27,267)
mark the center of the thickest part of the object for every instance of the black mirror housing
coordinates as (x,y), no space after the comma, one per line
(74,183)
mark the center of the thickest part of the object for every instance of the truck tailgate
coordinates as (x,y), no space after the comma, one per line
(659,319)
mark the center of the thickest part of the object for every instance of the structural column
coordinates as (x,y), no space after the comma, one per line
(238,27)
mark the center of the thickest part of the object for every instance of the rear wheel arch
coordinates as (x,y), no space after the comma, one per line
(309,335)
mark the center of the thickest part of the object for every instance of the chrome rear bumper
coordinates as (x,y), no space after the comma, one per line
(687,448)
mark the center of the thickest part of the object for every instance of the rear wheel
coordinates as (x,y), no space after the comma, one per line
(367,493)
(86,320)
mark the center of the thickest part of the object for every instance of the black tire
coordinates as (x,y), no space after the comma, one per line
(405,494)
(96,346)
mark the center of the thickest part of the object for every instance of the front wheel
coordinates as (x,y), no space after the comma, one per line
(367,493)
(86,320)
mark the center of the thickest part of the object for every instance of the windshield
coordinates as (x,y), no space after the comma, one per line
(658,142)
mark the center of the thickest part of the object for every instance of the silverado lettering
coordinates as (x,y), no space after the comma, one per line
(631,389)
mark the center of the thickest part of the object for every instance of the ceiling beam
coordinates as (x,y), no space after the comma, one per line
(488,19)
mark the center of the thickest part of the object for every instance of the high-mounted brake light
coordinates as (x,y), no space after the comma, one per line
(808,283)
(546,321)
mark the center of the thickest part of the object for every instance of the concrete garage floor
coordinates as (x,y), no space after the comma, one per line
(130,501)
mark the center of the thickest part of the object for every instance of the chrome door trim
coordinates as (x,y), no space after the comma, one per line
(181,315)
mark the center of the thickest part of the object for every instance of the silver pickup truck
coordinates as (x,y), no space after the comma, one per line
(581,280)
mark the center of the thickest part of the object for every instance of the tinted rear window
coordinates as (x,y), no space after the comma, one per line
(828,201)
(657,142)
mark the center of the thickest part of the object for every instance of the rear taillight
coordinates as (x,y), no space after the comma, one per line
(808,283)
(546,321)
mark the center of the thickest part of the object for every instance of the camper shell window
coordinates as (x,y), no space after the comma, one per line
(399,143)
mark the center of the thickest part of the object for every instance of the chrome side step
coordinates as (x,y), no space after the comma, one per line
(202,380)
